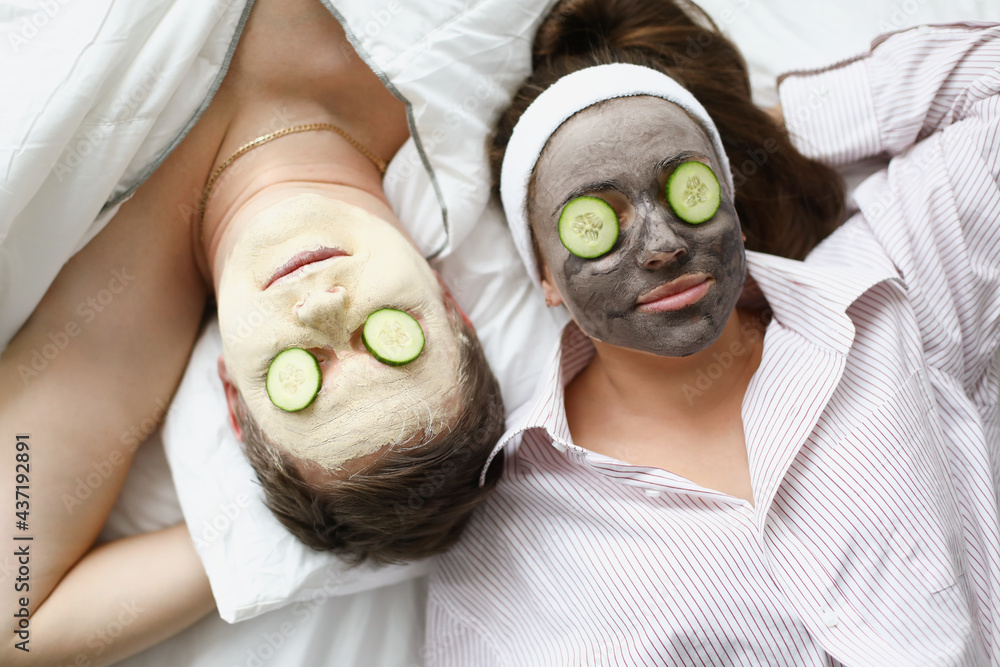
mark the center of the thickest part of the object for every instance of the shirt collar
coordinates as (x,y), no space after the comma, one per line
(811,297)
(808,297)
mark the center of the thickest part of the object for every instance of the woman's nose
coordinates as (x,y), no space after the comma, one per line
(323,310)
(659,244)
(652,260)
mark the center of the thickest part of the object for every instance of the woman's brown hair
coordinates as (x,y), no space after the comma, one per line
(787,203)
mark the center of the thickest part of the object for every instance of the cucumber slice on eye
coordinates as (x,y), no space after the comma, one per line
(588,227)
(293,379)
(693,192)
(392,336)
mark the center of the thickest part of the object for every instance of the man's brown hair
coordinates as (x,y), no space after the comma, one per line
(414,500)
(787,203)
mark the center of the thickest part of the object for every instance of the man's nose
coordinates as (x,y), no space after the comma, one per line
(659,243)
(324,310)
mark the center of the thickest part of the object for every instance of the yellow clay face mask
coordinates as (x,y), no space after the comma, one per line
(306,272)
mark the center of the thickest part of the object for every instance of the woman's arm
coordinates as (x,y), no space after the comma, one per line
(929,98)
(85,379)
(910,85)
(120,598)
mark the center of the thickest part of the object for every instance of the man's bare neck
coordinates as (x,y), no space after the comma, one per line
(294,65)
(294,60)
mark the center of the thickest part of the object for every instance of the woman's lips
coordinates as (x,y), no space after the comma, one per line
(304,258)
(676,294)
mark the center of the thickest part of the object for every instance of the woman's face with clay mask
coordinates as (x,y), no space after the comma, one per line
(306,272)
(666,286)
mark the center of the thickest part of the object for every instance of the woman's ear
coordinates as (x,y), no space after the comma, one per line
(232,398)
(552,295)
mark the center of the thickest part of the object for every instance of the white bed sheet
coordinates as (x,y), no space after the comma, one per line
(385,626)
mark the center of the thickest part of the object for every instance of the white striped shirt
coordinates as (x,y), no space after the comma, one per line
(870,425)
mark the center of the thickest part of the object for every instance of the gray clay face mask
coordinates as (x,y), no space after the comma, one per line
(666,286)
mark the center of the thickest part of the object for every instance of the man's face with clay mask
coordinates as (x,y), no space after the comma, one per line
(306,272)
(666,286)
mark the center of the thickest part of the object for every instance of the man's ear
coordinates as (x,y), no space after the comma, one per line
(552,295)
(232,398)
(448,296)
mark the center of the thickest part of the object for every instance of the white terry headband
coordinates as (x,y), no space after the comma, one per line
(567,96)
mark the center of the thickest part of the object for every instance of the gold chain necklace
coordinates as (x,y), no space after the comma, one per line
(267,138)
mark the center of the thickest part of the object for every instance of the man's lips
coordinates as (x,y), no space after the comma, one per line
(676,294)
(304,258)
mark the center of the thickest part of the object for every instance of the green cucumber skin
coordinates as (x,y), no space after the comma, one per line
(318,378)
(602,207)
(372,348)
(682,210)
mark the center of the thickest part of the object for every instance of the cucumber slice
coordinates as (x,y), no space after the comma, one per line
(693,192)
(393,337)
(293,379)
(588,227)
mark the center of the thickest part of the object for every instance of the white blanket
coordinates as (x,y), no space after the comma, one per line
(95,94)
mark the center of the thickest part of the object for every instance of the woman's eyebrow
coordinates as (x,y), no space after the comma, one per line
(585,189)
(669,163)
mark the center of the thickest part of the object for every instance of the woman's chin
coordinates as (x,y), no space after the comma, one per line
(669,343)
